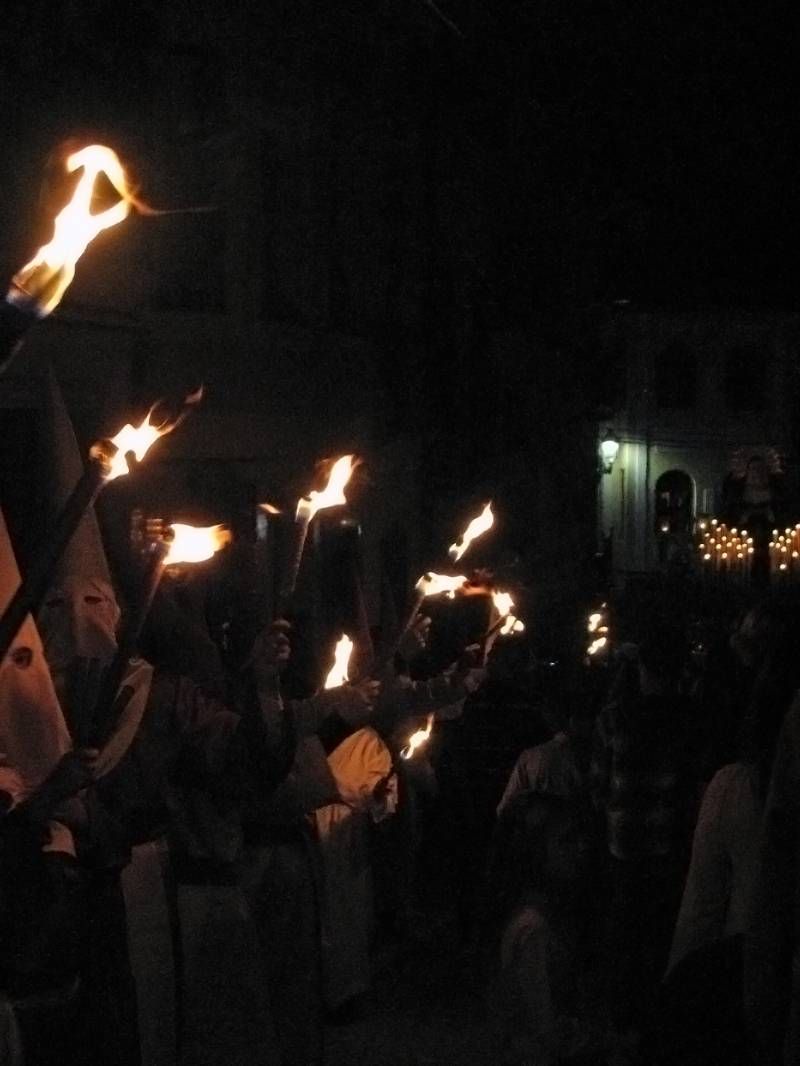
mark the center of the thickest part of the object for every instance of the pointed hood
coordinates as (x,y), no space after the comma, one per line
(79,616)
(63,467)
(33,734)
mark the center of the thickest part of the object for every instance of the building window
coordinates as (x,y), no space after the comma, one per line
(676,377)
(674,504)
(746,378)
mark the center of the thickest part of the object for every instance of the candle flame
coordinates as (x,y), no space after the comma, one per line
(477,526)
(333,493)
(139,439)
(434,584)
(195,544)
(48,275)
(338,674)
(417,739)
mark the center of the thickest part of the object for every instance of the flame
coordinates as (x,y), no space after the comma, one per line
(504,605)
(333,493)
(417,739)
(597,645)
(594,621)
(47,276)
(477,526)
(338,674)
(270,508)
(139,439)
(195,544)
(434,584)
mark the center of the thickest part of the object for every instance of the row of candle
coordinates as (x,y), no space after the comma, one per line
(725,551)
(784,552)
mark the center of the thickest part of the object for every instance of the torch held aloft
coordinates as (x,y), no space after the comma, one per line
(15,321)
(301,533)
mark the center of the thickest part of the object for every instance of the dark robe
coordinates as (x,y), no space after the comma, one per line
(187,745)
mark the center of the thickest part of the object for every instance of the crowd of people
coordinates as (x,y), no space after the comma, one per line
(640,882)
(197,870)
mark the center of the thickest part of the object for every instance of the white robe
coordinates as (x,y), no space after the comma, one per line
(362,768)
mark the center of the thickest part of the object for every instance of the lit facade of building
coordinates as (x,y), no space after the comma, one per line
(701,393)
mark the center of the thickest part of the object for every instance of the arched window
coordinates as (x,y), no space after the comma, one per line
(674,504)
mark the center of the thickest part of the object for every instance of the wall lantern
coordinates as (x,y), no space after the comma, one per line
(609,446)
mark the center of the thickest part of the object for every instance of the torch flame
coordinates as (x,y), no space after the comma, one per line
(333,493)
(195,544)
(434,584)
(47,276)
(338,674)
(417,739)
(477,526)
(504,605)
(139,439)
(597,645)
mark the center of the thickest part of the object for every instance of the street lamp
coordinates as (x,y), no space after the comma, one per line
(609,446)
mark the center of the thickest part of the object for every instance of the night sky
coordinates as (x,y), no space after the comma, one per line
(606,150)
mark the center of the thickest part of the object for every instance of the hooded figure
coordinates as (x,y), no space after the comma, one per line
(33,734)
(39,889)
(79,616)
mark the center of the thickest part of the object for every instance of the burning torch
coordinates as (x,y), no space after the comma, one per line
(183,545)
(478,526)
(506,622)
(417,739)
(108,460)
(331,496)
(432,584)
(339,673)
(37,288)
